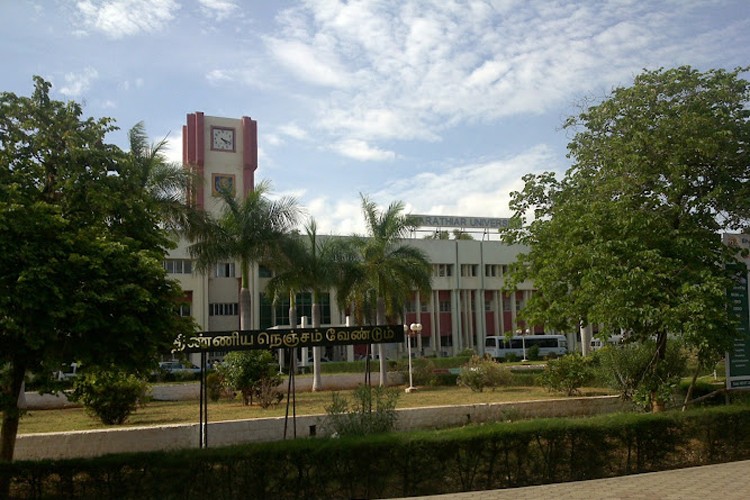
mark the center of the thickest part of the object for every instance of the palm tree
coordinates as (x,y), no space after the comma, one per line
(248,231)
(388,269)
(166,183)
(305,264)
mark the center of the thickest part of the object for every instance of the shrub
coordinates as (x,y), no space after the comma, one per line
(215,383)
(482,372)
(628,369)
(423,370)
(532,353)
(510,357)
(373,410)
(109,394)
(566,374)
(254,375)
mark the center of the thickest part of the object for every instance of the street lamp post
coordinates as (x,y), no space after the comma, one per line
(415,329)
(523,341)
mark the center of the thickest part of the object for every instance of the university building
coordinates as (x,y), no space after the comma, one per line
(466,302)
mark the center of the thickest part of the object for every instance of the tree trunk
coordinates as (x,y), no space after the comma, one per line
(11,414)
(317,383)
(245,310)
(657,405)
(381,358)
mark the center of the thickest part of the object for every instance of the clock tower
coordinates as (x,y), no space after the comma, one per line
(223,152)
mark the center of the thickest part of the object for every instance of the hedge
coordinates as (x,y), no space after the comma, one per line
(481,457)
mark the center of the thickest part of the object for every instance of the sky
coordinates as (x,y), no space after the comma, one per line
(443,105)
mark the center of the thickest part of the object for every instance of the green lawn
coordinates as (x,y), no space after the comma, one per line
(163,413)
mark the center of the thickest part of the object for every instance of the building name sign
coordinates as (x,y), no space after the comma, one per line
(245,340)
(460,221)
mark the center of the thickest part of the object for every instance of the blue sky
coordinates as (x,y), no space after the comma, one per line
(441,104)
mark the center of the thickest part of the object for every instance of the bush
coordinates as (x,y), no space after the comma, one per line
(215,383)
(254,375)
(423,370)
(482,372)
(362,417)
(566,374)
(628,368)
(109,394)
(532,353)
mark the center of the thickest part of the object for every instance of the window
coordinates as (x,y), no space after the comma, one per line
(488,305)
(442,270)
(506,304)
(225,270)
(445,306)
(410,306)
(178,266)
(264,272)
(492,270)
(184,309)
(223,309)
(468,270)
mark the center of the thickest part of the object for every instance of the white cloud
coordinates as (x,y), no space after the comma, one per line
(360,150)
(477,189)
(219,9)
(294,131)
(481,189)
(438,64)
(173,149)
(136,83)
(311,64)
(217,76)
(120,18)
(78,83)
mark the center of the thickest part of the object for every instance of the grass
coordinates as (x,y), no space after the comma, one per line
(307,403)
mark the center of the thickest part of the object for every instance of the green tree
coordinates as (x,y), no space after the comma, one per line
(253,373)
(305,263)
(248,230)
(384,268)
(81,251)
(629,238)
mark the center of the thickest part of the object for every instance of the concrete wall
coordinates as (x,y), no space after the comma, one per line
(173,437)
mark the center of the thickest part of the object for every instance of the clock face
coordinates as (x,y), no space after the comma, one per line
(222,139)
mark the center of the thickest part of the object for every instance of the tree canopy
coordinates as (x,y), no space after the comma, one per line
(630,237)
(81,250)
(248,230)
(383,268)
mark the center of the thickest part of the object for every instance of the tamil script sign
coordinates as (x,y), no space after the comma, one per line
(245,340)
(460,221)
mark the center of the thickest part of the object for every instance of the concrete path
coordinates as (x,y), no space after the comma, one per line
(729,481)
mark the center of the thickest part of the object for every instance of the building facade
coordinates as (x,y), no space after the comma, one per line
(466,303)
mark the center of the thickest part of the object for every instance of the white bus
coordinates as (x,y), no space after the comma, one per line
(499,347)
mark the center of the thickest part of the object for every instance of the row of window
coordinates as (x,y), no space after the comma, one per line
(445,305)
(228,269)
(282,315)
(223,309)
(469,270)
(221,270)
(178,266)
